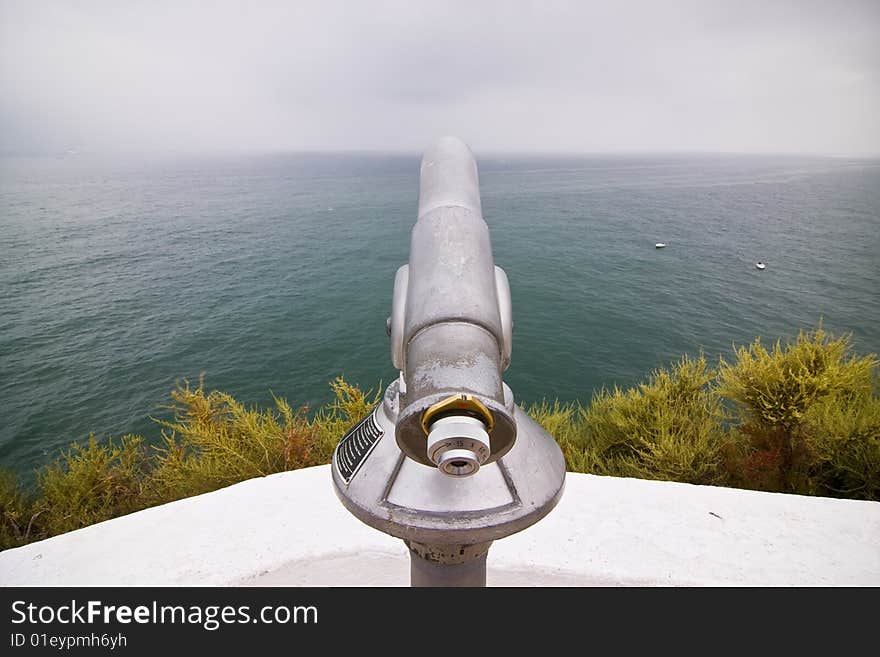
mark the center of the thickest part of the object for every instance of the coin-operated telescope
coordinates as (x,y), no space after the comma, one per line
(447,461)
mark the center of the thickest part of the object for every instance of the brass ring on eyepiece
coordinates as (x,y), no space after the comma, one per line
(458,403)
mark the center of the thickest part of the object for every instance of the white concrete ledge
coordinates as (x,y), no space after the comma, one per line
(289,529)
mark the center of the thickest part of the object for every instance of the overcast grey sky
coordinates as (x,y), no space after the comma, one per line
(622,75)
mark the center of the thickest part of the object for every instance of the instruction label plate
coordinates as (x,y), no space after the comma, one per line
(356,445)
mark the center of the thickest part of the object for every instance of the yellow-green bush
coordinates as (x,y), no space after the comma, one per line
(806,420)
(665,428)
(212,441)
(842,434)
(215,441)
(91,483)
(16,512)
(776,387)
(564,423)
(350,405)
(799,405)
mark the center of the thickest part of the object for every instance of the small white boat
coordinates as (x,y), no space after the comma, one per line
(659,245)
(760,265)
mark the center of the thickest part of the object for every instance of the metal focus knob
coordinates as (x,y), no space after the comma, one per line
(458,445)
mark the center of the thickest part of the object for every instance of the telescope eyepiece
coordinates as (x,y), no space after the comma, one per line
(458,445)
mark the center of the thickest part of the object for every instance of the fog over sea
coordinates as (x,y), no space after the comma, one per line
(273,274)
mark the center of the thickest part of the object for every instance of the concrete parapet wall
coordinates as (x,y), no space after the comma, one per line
(289,529)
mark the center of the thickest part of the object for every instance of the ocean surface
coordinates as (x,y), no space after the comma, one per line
(273,274)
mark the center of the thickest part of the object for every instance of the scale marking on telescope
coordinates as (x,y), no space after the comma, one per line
(356,445)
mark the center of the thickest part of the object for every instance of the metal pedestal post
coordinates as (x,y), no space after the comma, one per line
(448,565)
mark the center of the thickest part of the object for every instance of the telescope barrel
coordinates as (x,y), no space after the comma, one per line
(448,178)
(451,324)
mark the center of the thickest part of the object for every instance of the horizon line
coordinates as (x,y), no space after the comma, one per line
(74,152)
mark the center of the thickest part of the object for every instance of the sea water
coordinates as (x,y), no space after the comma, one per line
(272,274)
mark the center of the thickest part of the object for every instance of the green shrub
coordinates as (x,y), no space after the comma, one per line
(843,435)
(774,388)
(563,422)
(215,441)
(212,441)
(91,483)
(349,406)
(806,420)
(16,512)
(776,445)
(666,428)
